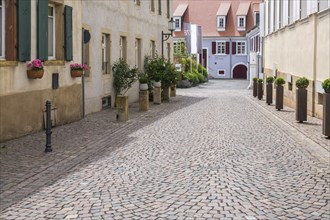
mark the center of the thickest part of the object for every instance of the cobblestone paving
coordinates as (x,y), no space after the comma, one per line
(212,153)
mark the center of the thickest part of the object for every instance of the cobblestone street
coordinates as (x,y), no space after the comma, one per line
(213,152)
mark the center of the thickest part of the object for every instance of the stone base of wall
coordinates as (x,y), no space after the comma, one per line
(313,108)
(23,113)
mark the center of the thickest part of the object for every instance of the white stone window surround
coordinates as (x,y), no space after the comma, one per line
(177,23)
(241,48)
(221,23)
(221,47)
(241,23)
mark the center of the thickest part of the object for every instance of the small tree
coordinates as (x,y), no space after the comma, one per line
(123,76)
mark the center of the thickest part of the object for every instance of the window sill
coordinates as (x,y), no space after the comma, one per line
(4,63)
(241,54)
(241,29)
(221,54)
(54,63)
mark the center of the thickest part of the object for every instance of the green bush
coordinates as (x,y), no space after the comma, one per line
(191,77)
(260,80)
(270,79)
(302,83)
(279,81)
(123,76)
(255,79)
(143,77)
(326,85)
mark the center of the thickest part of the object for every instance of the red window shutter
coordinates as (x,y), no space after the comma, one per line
(227,47)
(233,48)
(11,30)
(214,47)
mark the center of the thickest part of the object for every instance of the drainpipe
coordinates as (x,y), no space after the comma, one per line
(230,57)
(314,63)
(83,75)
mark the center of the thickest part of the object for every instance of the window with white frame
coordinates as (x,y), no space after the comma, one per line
(177,23)
(221,47)
(241,23)
(241,47)
(51,31)
(2,28)
(105,46)
(221,23)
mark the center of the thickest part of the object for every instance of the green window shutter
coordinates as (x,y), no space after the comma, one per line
(24,30)
(42,30)
(68,33)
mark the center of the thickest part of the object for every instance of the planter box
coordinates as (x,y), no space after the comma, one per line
(269,93)
(326,115)
(122,108)
(301,105)
(76,73)
(157,95)
(260,90)
(35,74)
(279,97)
(255,88)
(144,100)
(166,94)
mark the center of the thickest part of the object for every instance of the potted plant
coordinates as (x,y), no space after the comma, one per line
(169,78)
(77,69)
(301,99)
(260,88)
(154,68)
(143,79)
(255,88)
(123,79)
(269,90)
(279,82)
(326,108)
(35,69)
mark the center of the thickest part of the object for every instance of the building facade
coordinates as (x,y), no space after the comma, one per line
(128,29)
(224,24)
(296,44)
(48,30)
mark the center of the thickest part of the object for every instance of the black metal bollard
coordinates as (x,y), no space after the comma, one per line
(48,127)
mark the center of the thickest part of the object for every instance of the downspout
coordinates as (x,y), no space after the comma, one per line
(314,63)
(230,57)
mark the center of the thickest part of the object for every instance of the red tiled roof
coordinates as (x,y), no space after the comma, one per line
(243,8)
(180,10)
(223,8)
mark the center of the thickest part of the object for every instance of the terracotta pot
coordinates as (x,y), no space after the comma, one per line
(301,105)
(269,94)
(35,74)
(279,97)
(76,73)
(326,114)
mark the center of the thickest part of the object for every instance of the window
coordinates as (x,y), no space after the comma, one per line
(221,72)
(105,47)
(159,7)
(106,102)
(138,63)
(152,48)
(240,47)
(303,8)
(221,23)
(123,47)
(152,5)
(2,28)
(241,23)
(137,2)
(290,11)
(178,48)
(256,18)
(177,23)
(323,4)
(221,47)
(51,32)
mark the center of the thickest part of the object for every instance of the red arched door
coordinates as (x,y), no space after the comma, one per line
(240,72)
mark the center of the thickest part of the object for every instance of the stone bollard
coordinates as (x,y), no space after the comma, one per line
(157,95)
(173,91)
(166,94)
(144,100)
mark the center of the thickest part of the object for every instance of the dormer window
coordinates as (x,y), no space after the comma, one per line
(221,23)
(241,23)
(177,23)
